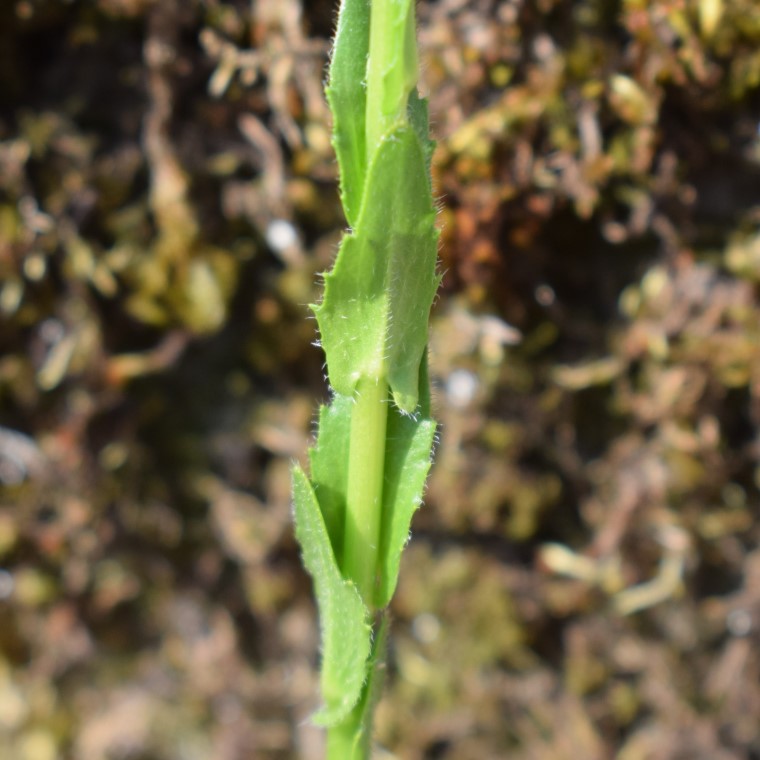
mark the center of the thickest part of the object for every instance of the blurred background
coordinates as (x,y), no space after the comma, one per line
(584,578)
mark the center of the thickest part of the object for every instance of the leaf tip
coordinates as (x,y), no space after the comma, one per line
(406,402)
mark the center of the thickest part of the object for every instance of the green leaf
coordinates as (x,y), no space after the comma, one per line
(329,466)
(346,94)
(374,316)
(419,118)
(343,616)
(353,738)
(407,462)
(374,686)
(425,408)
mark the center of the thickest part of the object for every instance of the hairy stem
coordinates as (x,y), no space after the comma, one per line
(392,68)
(366,468)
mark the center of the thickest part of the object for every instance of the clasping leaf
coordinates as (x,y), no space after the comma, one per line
(374,316)
(343,617)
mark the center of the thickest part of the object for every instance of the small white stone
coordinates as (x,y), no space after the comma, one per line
(426,628)
(461,387)
(281,235)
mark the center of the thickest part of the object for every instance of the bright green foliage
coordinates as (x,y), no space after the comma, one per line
(372,455)
(407,461)
(345,632)
(347,96)
(329,466)
(353,738)
(374,316)
(394,68)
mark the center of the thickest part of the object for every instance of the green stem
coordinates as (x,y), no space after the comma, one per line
(392,71)
(392,67)
(344,740)
(364,494)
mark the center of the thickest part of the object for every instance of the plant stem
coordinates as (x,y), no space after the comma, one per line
(391,74)
(392,68)
(343,740)
(364,496)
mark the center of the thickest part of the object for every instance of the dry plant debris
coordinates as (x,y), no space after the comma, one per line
(584,579)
